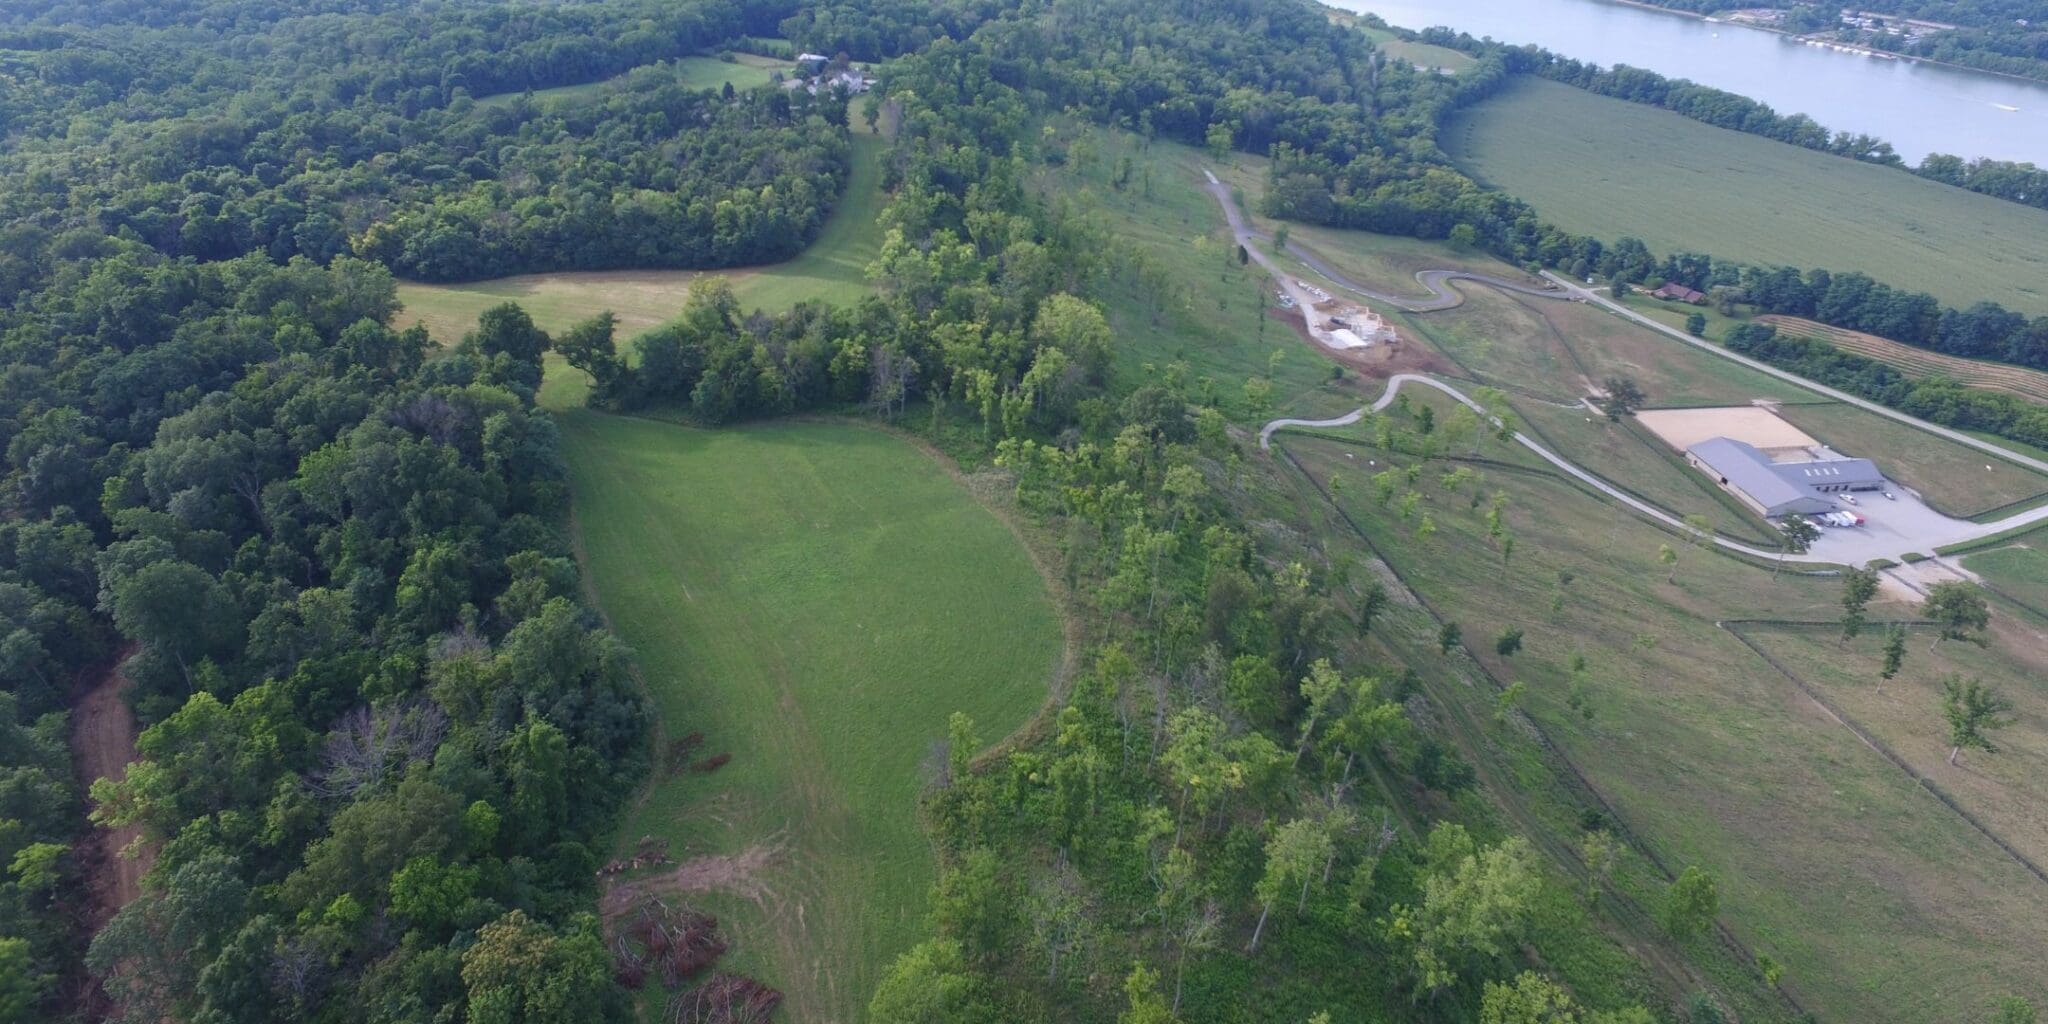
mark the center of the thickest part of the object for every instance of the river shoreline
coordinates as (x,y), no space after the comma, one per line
(1921,106)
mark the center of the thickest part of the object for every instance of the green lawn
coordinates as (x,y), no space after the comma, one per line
(1609,168)
(745,71)
(2020,570)
(816,599)
(832,269)
(1881,902)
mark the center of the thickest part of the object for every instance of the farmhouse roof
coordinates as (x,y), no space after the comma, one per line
(1674,290)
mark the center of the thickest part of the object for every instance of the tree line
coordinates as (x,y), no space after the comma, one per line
(1936,400)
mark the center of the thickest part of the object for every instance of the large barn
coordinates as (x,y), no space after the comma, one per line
(1775,489)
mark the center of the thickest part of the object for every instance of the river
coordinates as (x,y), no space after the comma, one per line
(1919,108)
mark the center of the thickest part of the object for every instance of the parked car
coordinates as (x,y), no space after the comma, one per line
(1889,496)
(1850,498)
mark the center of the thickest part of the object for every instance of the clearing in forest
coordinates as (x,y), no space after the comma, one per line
(1608,167)
(832,269)
(815,599)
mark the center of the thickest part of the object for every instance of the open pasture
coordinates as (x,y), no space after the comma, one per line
(744,71)
(2000,789)
(815,599)
(1711,758)
(1609,168)
(832,269)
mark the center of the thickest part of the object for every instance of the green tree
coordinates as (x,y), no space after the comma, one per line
(22,986)
(522,972)
(1464,237)
(1858,587)
(1448,637)
(1696,324)
(1692,903)
(1473,909)
(1295,856)
(1669,559)
(1621,398)
(933,984)
(507,329)
(1894,651)
(2015,1010)
(1509,642)
(1972,711)
(1798,534)
(1371,604)
(1600,852)
(1959,609)
(1143,1003)
(1280,239)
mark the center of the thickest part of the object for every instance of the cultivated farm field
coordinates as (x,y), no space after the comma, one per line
(832,269)
(1919,362)
(1712,759)
(1609,168)
(816,599)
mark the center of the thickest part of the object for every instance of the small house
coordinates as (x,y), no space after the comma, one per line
(1679,292)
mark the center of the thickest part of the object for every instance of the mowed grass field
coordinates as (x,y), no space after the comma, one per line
(832,269)
(816,599)
(1881,903)
(745,71)
(1609,168)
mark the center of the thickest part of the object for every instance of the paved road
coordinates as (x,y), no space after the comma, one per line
(1394,385)
(1853,546)
(1436,282)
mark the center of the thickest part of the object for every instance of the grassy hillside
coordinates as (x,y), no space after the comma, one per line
(1610,168)
(1713,759)
(816,599)
(833,269)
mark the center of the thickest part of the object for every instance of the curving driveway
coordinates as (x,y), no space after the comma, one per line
(1930,530)
(1436,282)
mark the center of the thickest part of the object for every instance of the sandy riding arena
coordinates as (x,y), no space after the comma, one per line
(1683,428)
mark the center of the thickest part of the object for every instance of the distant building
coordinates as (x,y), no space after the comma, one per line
(1674,290)
(812,63)
(1775,489)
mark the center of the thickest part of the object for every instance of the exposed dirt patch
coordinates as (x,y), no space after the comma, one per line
(738,873)
(103,735)
(1381,361)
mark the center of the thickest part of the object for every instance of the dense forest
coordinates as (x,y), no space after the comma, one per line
(219,130)
(385,741)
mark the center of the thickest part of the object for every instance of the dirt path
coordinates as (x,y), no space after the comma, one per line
(103,735)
